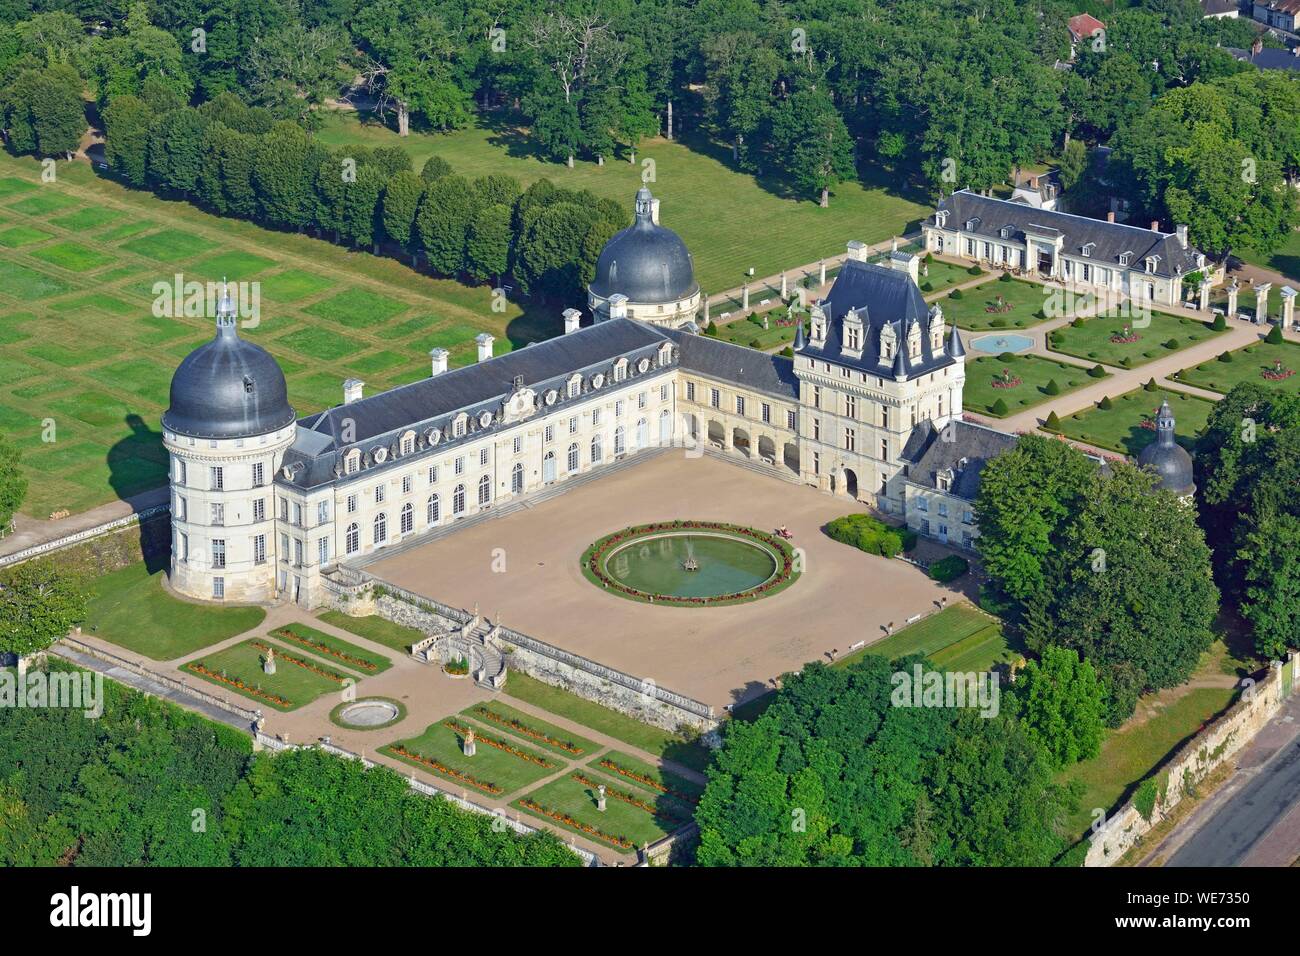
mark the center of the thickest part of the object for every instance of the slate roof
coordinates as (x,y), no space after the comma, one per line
(989,216)
(930,450)
(646,262)
(733,363)
(1268,59)
(378,420)
(882,296)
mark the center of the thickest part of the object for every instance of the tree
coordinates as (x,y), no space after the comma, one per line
(127,120)
(292,70)
(434,168)
(39,603)
(811,143)
(488,247)
(401,200)
(176,151)
(284,173)
(1060,704)
(741,72)
(122,62)
(1074,160)
(43,111)
(361,221)
(442,224)
(13,483)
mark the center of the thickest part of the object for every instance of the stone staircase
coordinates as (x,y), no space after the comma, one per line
(756,465)
(473,641)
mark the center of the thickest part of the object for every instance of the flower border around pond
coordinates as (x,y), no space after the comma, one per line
(338,722)
(783,551)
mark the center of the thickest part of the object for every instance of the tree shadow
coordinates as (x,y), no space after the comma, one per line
(137,463)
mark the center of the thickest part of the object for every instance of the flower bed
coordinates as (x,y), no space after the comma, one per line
(1007,380)
(520,727)
(316,646)
(593,563)
(645,781)
(628,798)
(499,744)
(484,785)
(1278,372)
(198,668)
(618,841)
(308,665)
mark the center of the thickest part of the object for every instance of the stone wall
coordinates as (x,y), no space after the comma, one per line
(1194,761)
(100,551)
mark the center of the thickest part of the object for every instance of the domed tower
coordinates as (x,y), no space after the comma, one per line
(1167,459)
(226,427)
(645,272)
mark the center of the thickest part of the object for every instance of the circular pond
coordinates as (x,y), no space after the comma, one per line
(690,563)
(1007,342)
(368,713)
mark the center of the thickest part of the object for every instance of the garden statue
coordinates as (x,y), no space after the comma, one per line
(470,747)
(268,663)
(600,798)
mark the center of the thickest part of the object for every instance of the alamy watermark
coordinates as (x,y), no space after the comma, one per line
(73,690)
(197,300)
(919,687)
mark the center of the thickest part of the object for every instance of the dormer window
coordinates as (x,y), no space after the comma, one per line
(575,386)
(665,354)
(459,426)
(941,218)
(1151,263)
(853,338)
(1005,232)
(620,370)
(1125,258)
(408,443)
(944,480)
(1087,249)
(351,461)
(971,224)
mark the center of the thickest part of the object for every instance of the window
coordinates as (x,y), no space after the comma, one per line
(595,450)
(850,439)
(851,406)
(922,504)
(259,478)
(284,509)
(458,467)
(740,405)
(548,435)
(218,553)
(433,474)
(297,552)
(817,463)
(408,443)
(407,483)
(352,504)
(641,400)
(516,479)
(817,396)
(379,494)
(620,369)
(573,457)
(458,501)
(407,521)
(218,477)
(218,512)
(943,509)
(284,547)
(884,417)
(185,547)
(259,549)
(817,429)
(182,507)
(791,420)
(219,588)
(180,471)
(352,539)
(618,409)
(518,445)
(884,449)
(618,440)
(595,417)
(663,393)
(459,425)
(351,461)
(573,425)
(852,337)
(323,551)
(483,456)
(765,412)
(322,512)
(297,513)
(379,531)
(484,491)
(433,511)
(690,397)
(715,398)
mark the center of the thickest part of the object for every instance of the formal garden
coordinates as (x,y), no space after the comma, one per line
(131,607)
(270,674)
(937,276)
(499,766)
(1003,303)
(1127,342)
(750,331)
(333,649)
(79,342)
(1127,423)
(1269,364)
(1006,384)
(375,628)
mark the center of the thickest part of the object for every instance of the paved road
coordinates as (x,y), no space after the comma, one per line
(1259,824)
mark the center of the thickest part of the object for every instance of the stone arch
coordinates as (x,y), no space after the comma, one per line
(740,441)
(790,456)
(766,448)
(717,434)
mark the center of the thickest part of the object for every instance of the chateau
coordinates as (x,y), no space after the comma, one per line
(870,409)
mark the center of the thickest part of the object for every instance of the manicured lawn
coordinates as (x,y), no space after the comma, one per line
(129,607)
(752,334)
(943,275)
(1285,260)
(44,204)
(22,236)
(357,308)
(972,310)
(496,771)
(1119,427)
(235,266)
(317,342)
(730,220)
(576,800)
(24,284)
(1034,372)
(89,218)
(1092,341)
(610,722)
(959,634)
(375,628)
(294,284)
(12,186)
(1248,365)
(238,670)
(502,718)
(169,245)
(1133,751)
(617,765)
(333,649)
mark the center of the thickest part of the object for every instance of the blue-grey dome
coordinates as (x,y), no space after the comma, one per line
(228,388)
(1167,459)
(645,262)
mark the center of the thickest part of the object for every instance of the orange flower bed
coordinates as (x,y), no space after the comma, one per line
(328,675)
(287,635)
(498,744)
(520,727)
(567,820)
(644,780)
(198,668)
(483,785)
(618,794)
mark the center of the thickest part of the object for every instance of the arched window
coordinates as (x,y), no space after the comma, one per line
(458,501)
(484,490)
(434,514)
(516,479)
(574,387)
(573,457)
(595,450)
(619,445)
(665,427)
(352,539)
(408,518)
(381,528)
(642,433)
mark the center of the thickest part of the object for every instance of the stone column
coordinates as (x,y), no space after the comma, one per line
(821,272)
(1206,284)
(1288,307)
(1261,301)
(785,287)
(744,298)
(1233,290)
(706,310)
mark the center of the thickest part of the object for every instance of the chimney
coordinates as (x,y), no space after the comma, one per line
(437,361)
(1033,182)
(1257,47)
(654,211)
(857,251)
(572,318)
(1155,225)
(618,306)
(903,262)
(1110,216)
(484,341)
(352,390)
(1182,235)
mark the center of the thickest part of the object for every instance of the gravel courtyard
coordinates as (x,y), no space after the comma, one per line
(523,568)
